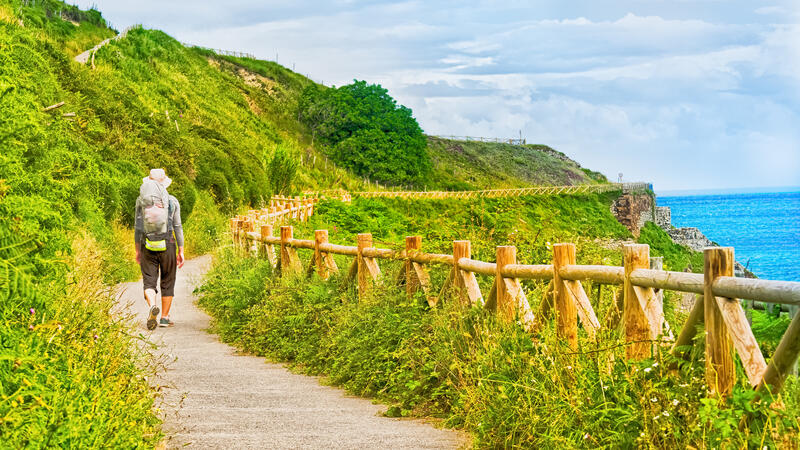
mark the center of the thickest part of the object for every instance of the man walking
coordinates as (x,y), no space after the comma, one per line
(158,237)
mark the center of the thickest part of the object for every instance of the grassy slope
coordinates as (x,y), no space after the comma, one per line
(482,165)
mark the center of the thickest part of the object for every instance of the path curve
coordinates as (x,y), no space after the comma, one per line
(83,58)
(216,398)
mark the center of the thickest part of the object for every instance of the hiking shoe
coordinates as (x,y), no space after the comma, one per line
(152,321)
(166,323)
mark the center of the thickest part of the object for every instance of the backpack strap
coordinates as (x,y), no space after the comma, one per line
(170,210)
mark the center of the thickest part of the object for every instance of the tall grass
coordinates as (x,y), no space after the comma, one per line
(72,375)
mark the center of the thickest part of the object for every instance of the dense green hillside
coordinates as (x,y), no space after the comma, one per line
(487,165)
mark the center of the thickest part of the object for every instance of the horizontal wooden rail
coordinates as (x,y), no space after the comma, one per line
(475,266)
(785,292)
(600,274)
(671,281)
(339,249)
(528,272)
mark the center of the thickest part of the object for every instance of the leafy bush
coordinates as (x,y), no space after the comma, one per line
(368,132)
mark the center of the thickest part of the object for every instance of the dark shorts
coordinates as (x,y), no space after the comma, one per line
(166,263)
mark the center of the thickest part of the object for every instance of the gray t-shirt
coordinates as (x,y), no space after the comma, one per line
(175,224)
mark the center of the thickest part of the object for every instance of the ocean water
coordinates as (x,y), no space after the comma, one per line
(763,228)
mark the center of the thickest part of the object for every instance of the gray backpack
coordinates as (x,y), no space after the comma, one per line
(155,209)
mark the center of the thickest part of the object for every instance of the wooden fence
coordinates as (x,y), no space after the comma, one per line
(490,193)
(511,141)
(639,302)
(221,51)
(280,210)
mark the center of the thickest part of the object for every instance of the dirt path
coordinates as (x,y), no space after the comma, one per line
(216,398)
(83,58)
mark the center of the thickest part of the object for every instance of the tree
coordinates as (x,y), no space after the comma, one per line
(367,132)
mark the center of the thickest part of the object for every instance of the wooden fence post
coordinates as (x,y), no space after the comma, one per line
(465,283)
(267,251)
(720,367)
(416,277)
(290,263)
(506,254)
(566,311)
(637,327)
(368,270)
(324,260)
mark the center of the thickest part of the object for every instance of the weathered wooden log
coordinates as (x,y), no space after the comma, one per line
(720,367)
(506,254)
(324,260)
(290,262)
(432,258)
(52,107)
(368,271)
(529,271)
(267,250)
(637,326)
(466,286)
(479,267)
(339,249)
(301,243)
(566,311)
(382,253)
(784,292)
(671,281)
(600,274)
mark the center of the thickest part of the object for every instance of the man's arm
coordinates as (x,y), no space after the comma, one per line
(177,227)
(138,230)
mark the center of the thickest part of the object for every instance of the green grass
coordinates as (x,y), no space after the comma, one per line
(676,257)
(464,165)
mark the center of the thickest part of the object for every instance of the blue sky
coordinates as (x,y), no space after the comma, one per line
(685,94)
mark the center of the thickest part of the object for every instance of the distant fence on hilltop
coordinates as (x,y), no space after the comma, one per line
(496,193)
(222,52)
(483,139)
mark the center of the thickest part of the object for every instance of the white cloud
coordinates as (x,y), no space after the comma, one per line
(657,90)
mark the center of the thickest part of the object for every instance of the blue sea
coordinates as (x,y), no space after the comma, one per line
(763,227)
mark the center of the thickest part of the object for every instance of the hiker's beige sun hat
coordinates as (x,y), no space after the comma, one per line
(160,176)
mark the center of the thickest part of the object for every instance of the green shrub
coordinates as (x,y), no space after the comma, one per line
(368,132)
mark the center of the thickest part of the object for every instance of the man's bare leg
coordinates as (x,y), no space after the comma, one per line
(166,303)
